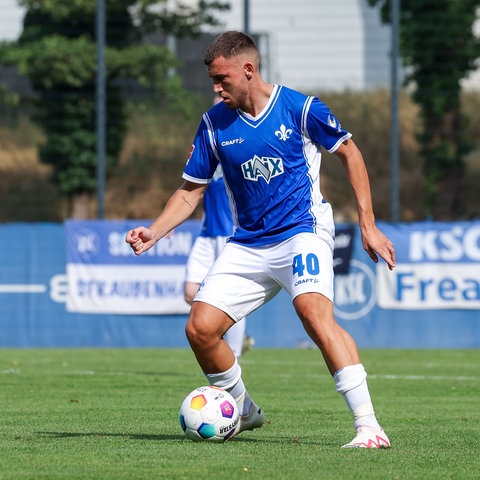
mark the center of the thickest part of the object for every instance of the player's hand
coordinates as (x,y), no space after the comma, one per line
(140,239)
(375,242)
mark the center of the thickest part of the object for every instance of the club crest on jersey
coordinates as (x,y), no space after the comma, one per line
(283,133)
(332,122)
(262,167)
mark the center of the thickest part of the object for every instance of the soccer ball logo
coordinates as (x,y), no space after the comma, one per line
(209,413)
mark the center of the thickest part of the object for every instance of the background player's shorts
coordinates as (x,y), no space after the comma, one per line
(204,252)
(244,278)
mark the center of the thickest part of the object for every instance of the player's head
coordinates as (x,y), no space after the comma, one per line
(231,44)
(233,65)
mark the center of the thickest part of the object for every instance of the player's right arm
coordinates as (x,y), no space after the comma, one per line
(178,208)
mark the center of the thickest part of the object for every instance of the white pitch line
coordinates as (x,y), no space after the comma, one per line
(425,377)
(469,378)
(23,288)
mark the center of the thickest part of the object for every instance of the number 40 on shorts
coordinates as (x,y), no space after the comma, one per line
(311,264)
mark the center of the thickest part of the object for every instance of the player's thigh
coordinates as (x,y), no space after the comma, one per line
(239,282)
(304,264)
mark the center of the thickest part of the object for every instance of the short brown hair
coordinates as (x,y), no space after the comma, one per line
(229,44)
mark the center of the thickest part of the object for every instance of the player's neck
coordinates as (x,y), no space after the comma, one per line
(260,95)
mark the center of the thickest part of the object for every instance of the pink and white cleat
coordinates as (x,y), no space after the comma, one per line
(369,438)
(254,419)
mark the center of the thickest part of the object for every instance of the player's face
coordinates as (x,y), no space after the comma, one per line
(230,80)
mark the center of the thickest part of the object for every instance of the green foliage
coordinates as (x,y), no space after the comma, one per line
(57,52)
(438,48)
(159,137)
(53,60)
(113,414)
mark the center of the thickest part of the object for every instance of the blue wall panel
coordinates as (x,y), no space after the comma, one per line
(33,290)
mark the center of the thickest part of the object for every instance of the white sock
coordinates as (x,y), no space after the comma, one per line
(232,382)
(351,382)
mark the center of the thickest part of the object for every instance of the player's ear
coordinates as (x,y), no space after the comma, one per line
(248,69)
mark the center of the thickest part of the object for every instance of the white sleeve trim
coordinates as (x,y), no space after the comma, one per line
(339,142)
(201,181)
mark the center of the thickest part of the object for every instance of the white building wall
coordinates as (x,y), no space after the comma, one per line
(319,44)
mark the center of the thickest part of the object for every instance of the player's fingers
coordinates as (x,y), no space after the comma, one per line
(140,239)
(372,254)
(388,254)
(393,260)
(138,247)
(135,242)
(131,236)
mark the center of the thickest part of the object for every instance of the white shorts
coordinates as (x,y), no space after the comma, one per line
(204,252)
(244,278)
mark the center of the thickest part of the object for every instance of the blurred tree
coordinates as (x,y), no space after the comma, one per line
(439,48)
(57,52)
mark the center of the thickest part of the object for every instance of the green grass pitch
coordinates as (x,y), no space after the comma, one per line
(113,414)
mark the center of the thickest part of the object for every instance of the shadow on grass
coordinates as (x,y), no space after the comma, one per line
(131,436)
(179,438)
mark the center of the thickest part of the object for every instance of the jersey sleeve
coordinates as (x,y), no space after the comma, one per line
(323,127)
(202,160)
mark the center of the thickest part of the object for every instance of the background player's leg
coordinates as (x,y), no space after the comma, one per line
(189,291)
(235,336)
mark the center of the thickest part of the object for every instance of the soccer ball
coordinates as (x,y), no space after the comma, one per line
(209,413)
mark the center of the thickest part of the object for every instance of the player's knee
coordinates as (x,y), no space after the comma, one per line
(198,334)
(313,320)
(315,311)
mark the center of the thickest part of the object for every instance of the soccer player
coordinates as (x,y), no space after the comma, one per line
(217,226)
(268,140)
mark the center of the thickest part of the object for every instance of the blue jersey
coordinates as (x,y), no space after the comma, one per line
(217,216)
(271,165)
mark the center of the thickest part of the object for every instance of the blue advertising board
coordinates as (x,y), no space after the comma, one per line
(78,285)
(430,300)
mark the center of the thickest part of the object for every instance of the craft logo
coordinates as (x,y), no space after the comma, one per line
(264,167)
(235,141)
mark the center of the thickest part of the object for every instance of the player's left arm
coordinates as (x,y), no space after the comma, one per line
(373,240)
(178,208)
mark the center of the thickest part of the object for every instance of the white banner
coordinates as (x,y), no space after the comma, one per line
(422,286)
(104,276)
(154,289)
